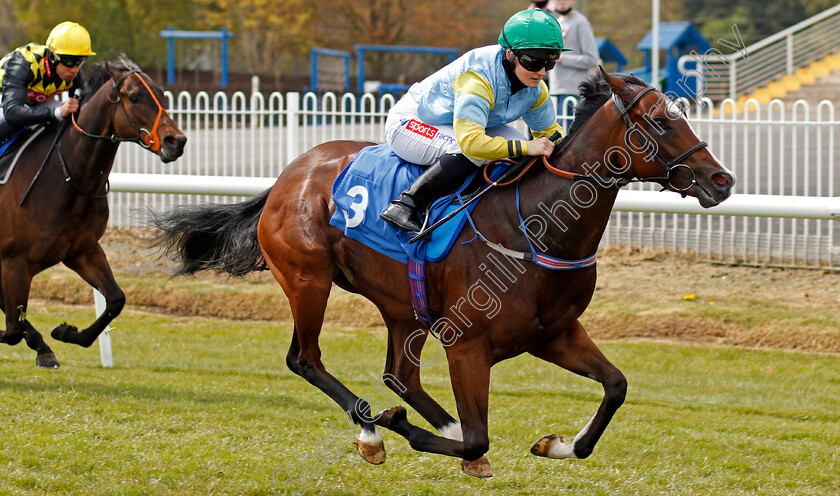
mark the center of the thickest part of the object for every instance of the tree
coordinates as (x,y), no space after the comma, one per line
(269,34)
(114,25)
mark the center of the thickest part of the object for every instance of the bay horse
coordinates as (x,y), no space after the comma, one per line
(56,211)
(491,306)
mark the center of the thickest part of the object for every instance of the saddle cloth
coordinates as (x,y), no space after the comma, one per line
(366,186)
(12,148)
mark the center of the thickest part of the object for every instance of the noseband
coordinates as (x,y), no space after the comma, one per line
(145,138)
(668,165)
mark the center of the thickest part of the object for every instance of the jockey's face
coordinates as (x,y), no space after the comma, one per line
(66,73)
(530,79)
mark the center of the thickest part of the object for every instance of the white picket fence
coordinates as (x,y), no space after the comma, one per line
(774,150)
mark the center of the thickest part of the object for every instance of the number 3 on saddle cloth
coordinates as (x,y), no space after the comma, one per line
(363,190)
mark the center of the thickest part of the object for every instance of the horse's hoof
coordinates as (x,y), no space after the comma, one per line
(391,417)
(372,453)
(47,361)
(61,330)
(477,468)
(553,446)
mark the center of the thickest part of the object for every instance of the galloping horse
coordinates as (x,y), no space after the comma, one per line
(623,131)
(59,213)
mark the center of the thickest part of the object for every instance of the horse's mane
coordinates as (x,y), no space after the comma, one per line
(99,73)
(593,93)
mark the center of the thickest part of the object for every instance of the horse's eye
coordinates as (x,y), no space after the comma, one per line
(661,123)
(133,98)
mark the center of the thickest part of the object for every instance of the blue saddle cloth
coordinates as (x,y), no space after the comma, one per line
(6,143)
(366,186)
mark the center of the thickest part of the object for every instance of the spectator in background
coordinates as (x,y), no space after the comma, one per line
(576,65)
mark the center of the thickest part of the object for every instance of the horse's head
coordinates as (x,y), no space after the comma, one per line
(662,146)
(142,117)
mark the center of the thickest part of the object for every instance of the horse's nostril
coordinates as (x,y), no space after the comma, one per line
(721,179)
(175,142)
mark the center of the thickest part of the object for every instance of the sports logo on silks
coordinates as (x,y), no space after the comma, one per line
(421,129)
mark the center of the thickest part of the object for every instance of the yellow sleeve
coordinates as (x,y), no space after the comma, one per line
(555,127)
(475,143)
(543,96)
(549,131)
(470,82)
(474,98)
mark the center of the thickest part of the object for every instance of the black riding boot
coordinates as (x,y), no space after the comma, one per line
(441,178)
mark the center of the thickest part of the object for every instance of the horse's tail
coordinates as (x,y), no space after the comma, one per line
(222,238)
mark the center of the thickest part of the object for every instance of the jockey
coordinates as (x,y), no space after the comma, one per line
(459,117)
(32,74)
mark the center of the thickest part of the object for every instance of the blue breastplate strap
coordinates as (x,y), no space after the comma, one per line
(540,259)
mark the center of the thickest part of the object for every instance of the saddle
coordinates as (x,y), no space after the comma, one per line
(12,148)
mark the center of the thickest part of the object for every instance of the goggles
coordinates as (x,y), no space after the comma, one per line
(71,60)
(534,64)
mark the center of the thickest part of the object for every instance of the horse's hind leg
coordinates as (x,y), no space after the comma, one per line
(16,281)
(573,350)
(307,281)
(92,266)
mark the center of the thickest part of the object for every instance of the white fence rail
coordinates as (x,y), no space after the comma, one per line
(785,154)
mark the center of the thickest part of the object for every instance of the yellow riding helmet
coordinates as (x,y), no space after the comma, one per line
(70,38)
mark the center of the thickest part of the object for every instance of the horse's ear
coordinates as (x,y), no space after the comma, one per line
(616,84)
(114,70)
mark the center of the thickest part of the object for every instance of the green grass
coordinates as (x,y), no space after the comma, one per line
(205,406)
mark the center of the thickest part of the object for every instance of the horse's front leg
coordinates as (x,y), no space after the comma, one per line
(402,375)
(92,266)
(573,350)
(469,371)
(16,282)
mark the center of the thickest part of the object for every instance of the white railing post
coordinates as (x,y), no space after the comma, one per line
(255,84)
(789,53)
(292,126)
(733,78)
(105,355)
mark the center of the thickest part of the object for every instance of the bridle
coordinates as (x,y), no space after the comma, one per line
(669,166)
(544,260)
(145,138)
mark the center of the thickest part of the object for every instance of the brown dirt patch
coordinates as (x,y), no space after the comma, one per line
(640,295)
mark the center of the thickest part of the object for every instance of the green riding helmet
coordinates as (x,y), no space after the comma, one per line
(533,31)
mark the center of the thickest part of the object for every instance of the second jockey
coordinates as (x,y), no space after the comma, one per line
(33,74)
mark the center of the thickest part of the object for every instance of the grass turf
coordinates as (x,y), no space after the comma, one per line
(206,406)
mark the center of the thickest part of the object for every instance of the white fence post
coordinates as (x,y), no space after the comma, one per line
(105,355)
(292,128)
